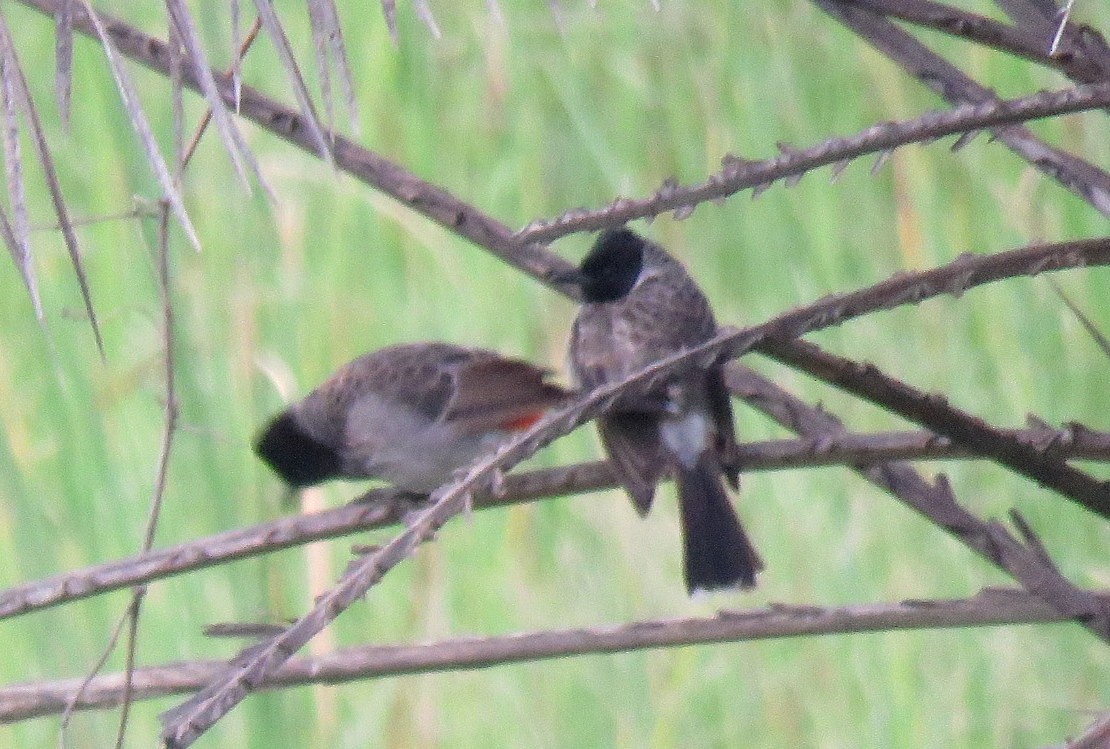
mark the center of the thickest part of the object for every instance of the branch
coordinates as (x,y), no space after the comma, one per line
(1096,736)
(991,607)
(740,174)
(377,509)
(364,165)
(1082,178)
(934,412)
(381,508)
(1077,60)
(1023,561)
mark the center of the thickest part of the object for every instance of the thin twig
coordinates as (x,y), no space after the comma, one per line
(382,508)
(936,501)
(1097,335)
(741,174)
(169,429)
(991,607)
(935,413)
(240,53)
(68,709)
(1082,178)
(131,615)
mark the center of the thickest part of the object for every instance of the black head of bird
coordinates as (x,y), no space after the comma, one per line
(612,266)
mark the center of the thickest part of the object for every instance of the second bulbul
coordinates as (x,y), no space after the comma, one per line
(641,306)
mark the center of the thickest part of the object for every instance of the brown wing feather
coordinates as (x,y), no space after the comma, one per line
(631,442)
(418,376)
(489,393)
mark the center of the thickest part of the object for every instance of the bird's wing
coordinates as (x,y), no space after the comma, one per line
(495,392)
(631,441)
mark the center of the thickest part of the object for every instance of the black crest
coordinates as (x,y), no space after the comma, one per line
(611,267)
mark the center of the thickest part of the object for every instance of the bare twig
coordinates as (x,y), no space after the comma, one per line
(1097,335)
(934,413)
(169,429)
(241,157)
(1087,181)
(69,708)
(131,615)
(991,607)
(372,169)
(382,508)
(740,174)
(937,503)
(240,53)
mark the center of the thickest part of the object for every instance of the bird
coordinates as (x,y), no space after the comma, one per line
(640,305)
(411,414)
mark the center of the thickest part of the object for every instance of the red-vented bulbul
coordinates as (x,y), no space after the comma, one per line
(411,414)
(640,306)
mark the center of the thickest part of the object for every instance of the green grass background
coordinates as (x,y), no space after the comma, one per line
(526,120)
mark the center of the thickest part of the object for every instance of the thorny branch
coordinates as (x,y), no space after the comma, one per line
(1083,57)
(936,501)
(990,607)
(369,167)
(381,508)
(1089,182)
(934,412)
(523,251)
(739,174)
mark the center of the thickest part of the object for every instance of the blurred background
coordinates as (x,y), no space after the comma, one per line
(526,113)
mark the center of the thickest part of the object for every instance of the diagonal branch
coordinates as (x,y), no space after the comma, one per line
(1077,60)
(1096,736)
(370,168)
(934,412)
(380,508)
(1023,561)
(990,607)
(1087,181)
(739,174)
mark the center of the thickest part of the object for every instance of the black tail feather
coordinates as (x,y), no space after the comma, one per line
(718,553)
(295,455)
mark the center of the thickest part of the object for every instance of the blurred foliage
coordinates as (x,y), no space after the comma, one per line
(526,118)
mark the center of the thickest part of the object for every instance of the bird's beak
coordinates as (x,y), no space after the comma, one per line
(567,277)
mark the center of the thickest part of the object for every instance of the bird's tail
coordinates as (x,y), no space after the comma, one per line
(296,456)
(718,553)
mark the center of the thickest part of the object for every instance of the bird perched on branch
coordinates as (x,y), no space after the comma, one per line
(411,414)
(641,306)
